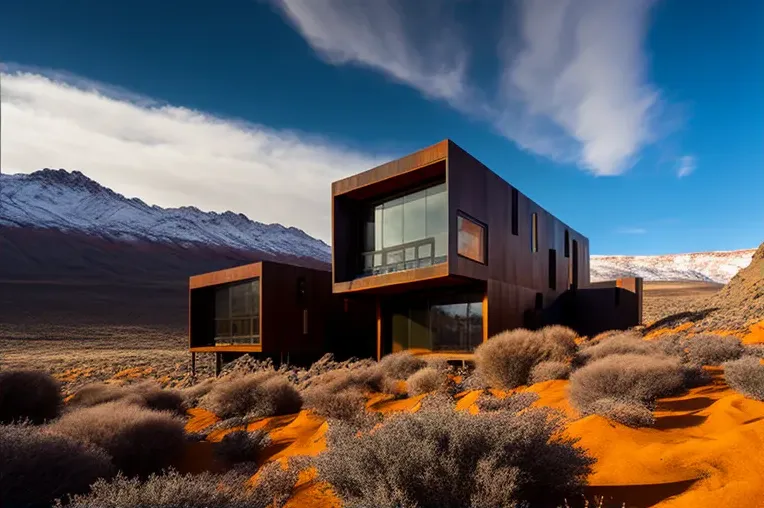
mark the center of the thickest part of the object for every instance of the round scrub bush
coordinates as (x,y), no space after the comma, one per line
(401,365)
(140,441)
(746,376)
(425,380)
(629,413)
(37,467)
(505,360)
(713,349)
(635,378)
(549,370)
(439,457)
(616,344)
(28,395)
(254,395)
(242,446)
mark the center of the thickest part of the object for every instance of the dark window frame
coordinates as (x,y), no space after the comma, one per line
(534,232)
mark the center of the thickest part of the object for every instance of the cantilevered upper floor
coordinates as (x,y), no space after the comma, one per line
(439,216)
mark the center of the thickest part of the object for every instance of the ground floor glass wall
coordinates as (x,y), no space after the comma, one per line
(434,322)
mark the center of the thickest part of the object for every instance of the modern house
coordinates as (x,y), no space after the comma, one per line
(277,310)
(448,251)
(432,253)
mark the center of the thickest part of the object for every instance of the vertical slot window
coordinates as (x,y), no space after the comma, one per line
(534,232)
(515,208)
(552,269)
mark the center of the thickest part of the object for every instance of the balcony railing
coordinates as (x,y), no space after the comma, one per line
(401,257)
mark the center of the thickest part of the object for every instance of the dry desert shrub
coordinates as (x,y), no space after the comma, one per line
(28,395)
(513,403)
(672,345)
(633,378)
(626,412)
(549,370)
(253,396)
(340,393)
(425,380)
(140,441)
(97,393)
(401,365)
(242,446)
(346,404)
(439,457)
(192,394)
(616,344)
(147,394)
(563,337)
(611,333)
(756,350)
(367,378)
(36,467)
(175,490)
(505,360)
(713,349)
(746,376)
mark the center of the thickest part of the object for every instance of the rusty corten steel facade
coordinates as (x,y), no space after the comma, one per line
(284,331)
(513,277)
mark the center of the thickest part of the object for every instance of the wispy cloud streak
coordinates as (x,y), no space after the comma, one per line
(572,81)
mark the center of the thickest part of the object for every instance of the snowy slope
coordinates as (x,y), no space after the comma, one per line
(701,266)
(70,201)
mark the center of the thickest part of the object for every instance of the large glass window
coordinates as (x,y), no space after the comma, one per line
(409,231)
(471,239)
(443,323)
(237,313)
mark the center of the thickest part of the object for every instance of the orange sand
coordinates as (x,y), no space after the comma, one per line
(756,334)
(705,449)
(665,331)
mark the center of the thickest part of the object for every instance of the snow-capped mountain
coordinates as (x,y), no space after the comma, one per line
(701,266)
(72,202)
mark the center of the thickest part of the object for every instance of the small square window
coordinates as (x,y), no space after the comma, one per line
(471,239)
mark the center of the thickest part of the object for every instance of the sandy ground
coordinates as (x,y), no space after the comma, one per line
(701,452)
(662,299)
(78,355)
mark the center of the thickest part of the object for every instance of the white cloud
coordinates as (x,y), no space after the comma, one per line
(685,166)
(572,84)
(374,34)
(171,156)
(631,231)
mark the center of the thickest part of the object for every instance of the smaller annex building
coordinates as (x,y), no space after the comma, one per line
(274,310)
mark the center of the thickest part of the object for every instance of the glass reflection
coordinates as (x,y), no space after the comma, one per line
(406,232)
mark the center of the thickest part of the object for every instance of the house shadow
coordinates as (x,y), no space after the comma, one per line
(680,318)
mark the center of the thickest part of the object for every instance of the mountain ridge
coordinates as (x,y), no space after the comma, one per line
(71,201)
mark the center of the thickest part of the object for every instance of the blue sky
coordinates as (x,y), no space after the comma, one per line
(640,124)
